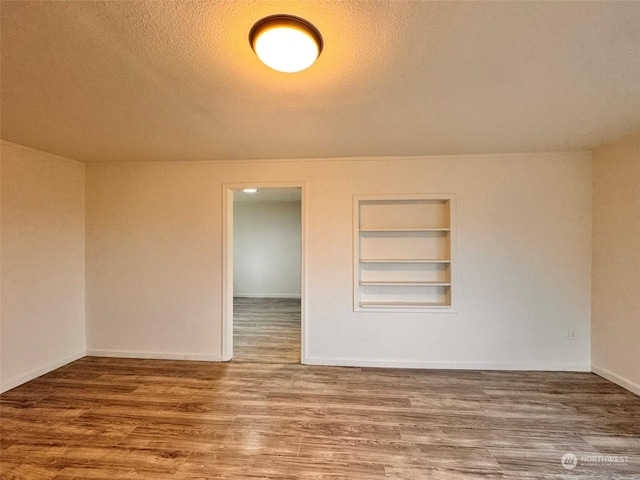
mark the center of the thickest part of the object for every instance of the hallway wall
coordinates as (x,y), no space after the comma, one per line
(266,249)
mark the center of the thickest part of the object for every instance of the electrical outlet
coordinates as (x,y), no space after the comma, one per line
(571,334)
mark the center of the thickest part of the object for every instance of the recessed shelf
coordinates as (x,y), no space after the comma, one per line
(420,228)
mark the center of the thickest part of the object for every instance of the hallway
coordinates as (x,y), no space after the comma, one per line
(266,330)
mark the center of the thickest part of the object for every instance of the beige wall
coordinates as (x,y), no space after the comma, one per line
(42,255)
(154,260)
(616,262)
(266,249)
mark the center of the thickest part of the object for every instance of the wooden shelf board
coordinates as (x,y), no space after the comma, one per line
(402,260)
(374,230)
(403,304)
(404,283)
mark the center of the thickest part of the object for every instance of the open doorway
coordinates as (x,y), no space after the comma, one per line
(263,297)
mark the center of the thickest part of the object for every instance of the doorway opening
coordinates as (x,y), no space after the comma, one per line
(263,273)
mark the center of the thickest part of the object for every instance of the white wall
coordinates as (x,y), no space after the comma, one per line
(42,256)
(154,260)
(616,263)
(266,249)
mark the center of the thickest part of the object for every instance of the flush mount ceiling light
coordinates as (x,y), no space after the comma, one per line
(286,43)
(250,190)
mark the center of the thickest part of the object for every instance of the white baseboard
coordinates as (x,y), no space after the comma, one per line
(352,362)
(266,295)
(154,355)
(617,379)
(16,382)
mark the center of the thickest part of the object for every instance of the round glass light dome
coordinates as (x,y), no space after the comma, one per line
(286,43)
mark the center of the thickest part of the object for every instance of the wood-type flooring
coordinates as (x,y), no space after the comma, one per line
(265,416)
(266,330)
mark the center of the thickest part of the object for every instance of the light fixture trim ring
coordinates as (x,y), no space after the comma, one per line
(282,19)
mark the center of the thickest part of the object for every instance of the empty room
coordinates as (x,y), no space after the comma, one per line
(338,239)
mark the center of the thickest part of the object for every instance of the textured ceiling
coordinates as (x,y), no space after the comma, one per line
(177,80)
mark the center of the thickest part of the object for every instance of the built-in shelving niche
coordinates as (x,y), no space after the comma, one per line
(404,252)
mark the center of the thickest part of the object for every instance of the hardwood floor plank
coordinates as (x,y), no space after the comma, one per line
(389,400)
(614,444)
(27,471)
(492,437)
(357,449)
(311,468)
(318,428)
(254,408)
(217,464)
(407,417)
(404,472)
(547,463)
